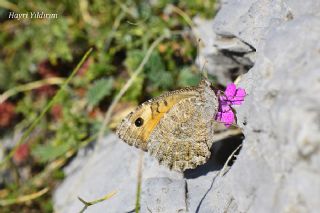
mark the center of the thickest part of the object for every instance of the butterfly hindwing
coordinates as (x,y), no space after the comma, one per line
(176,127)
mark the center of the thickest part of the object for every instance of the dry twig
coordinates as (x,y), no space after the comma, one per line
(24,198)
(90,203)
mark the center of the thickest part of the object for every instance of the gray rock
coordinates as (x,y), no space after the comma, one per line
(224,57)
(113,166)
(276,43)
(278,168)
(163,195)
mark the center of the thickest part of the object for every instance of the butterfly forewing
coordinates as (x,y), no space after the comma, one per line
(176,128)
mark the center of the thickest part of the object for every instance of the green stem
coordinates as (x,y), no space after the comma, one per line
(139,181)
(29,86)
(90,203)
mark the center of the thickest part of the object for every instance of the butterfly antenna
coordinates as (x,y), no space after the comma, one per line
(203,73)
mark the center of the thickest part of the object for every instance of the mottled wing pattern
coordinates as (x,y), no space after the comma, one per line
(184,136)
(177,127)
(151,112)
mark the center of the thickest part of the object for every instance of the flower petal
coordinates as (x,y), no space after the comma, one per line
(230,90)
(225,117)
(224,108)
(239,97)
(231,96)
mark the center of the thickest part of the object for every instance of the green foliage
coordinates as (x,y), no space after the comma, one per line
(157,74)
(49,152)
(120,33)
(187,77)
(136,89)
(99,90)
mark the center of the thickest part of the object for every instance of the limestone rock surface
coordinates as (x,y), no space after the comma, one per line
(275,45)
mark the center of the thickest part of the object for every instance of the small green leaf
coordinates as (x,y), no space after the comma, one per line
(188,78)
(156,73)
(45,153)
(133,59)
(100,89)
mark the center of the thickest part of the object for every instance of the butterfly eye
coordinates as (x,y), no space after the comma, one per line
(138,122)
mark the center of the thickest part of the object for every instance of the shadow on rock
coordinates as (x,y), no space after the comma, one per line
(220,152)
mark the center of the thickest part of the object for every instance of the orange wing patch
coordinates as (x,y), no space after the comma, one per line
(151,113)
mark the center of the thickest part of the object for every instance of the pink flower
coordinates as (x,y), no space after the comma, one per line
(232,96)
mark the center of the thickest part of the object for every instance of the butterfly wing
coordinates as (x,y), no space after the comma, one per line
(184,136)
(176,127)
(135,128)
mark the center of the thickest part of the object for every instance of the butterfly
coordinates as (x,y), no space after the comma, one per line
(177,128)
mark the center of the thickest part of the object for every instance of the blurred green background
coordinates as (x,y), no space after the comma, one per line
(38,55)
